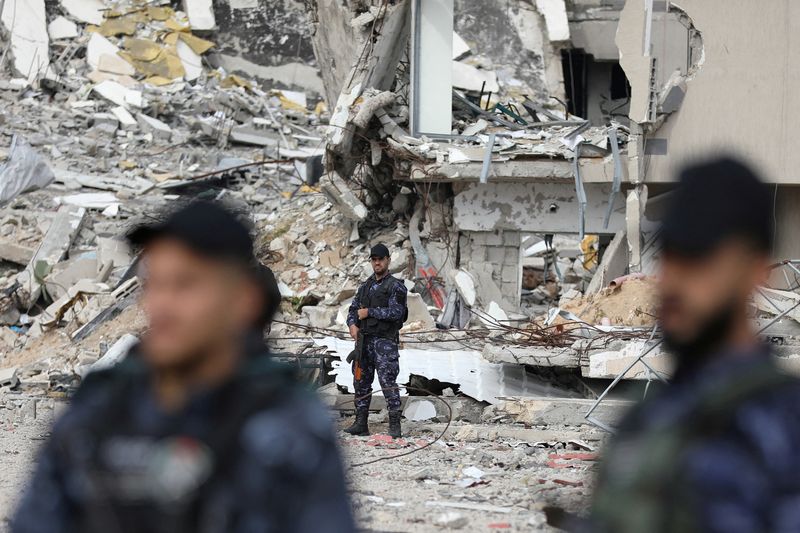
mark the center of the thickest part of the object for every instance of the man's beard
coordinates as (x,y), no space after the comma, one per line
(709,339)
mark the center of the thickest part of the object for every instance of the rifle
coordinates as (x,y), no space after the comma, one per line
(356,356)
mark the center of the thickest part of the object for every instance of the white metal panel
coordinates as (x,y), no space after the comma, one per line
(431,67)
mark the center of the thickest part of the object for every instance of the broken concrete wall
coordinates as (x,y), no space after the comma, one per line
(743,97)
(269,40)
(24,28)
(500,249)
(534,207)
(513,36)
(335,42)
(593,25)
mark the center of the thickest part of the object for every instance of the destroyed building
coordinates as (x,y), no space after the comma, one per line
(513,156)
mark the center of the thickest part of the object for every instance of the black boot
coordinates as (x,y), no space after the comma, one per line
(394,424)
(359,426)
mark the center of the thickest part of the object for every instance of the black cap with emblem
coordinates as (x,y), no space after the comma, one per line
(716,201)
(206,227)
(379,250)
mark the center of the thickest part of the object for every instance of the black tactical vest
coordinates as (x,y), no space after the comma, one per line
(111,502)
(379,297)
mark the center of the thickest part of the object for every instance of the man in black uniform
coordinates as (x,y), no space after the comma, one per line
(717,449)
(198,430)
(375,318)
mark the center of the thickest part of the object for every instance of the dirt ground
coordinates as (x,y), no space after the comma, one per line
(470,480)
(18,447)
(434,489)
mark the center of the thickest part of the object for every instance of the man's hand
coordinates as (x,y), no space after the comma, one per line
(354,331)
(363,313)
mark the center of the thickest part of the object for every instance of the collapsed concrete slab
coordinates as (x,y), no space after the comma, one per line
(25,22)
(62,231)
(478,379)
(86,11)
(610,362)
(62,28)
(340,194)
(200,13)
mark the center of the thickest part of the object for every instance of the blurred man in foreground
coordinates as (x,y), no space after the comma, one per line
(719,448)
(197,430)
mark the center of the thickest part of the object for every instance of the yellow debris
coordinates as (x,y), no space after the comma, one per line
(174,25)
(589,246)
(232,80)
(289,104)
(159,176)
(158,81)
(308,189)
(321,108)
(127,164)
(199,46)
(160,13)
(167,65)
(118,26)
(142,49)
(172,38)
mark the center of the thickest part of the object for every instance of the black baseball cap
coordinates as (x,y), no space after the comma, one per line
(379,250)
(206,227)
(718,200)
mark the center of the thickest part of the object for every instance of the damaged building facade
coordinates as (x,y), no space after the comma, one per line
(514,157)
(540,122)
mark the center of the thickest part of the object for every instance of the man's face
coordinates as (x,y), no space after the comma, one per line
(193,304)
(702,294)
(380,265)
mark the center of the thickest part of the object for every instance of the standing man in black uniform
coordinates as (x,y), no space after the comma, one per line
(198,430)
(375,318)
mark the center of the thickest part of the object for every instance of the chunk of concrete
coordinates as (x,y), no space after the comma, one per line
(107,119)
(62,28)
(88,11)
(340,194)
(401,260)
(16,253)
(24,21)
(451,520)
(496,315)
(319,316)
(112,91)
(473,79)
(115,65)
(118,351)
(152,125)
(200,13)
(126,120)
(53,247)
(419,410)
(418,312)
(192,62)
(97,47)
(555,18)
(465,286)
(9,377)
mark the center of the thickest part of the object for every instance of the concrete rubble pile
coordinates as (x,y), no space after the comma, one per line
(122,114)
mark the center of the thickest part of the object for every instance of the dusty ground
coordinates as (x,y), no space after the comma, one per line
(634,303)
(430,490)
(18,446)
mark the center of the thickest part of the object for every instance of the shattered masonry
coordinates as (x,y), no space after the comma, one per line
(523,226)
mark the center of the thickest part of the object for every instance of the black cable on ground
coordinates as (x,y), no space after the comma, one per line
(419,448)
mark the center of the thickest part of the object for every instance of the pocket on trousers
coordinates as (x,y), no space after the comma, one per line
(387,349)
